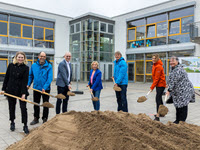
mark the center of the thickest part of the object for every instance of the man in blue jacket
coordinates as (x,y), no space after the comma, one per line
(121,80)
(41,75)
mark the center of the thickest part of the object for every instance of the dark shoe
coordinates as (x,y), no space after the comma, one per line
(176,122)
(12,126)
(157,119)
(44,120)
(35,121)
(26,131)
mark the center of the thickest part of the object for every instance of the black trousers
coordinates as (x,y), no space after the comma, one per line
(36,98)
(62,90)
(181,113)
(12,104)
(159,92)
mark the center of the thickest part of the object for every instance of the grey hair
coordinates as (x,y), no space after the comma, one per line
(174,57)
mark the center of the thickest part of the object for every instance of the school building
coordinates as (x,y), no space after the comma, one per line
(169,28)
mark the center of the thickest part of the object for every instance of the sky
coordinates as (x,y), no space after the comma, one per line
(74,8)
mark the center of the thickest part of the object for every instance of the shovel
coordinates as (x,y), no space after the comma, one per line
(163,110)
(116,88)
(45,104)
(69,93)
(143,98)
(93,98)
(60,96)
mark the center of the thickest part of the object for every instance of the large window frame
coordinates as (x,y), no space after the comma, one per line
(21,33)
(44,35)
(7,28)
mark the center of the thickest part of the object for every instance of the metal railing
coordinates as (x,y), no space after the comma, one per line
(195,32)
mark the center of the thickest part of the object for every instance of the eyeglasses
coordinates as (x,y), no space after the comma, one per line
(68,56)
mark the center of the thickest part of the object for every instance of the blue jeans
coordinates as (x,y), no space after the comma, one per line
(121,98)
(96,104)
(62,90)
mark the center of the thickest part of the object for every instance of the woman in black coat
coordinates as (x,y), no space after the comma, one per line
(15,83)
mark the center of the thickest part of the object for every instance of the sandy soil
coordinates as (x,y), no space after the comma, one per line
(109,131)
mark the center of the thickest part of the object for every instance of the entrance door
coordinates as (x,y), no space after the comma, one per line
(107,71)
(131,70)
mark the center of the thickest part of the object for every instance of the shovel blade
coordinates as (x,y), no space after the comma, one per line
(60,96)
(47,104)
(95,99)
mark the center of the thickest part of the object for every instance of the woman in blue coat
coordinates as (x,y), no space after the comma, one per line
(95,83)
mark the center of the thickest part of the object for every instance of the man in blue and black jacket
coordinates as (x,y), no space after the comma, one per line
(41,75)
(121,80)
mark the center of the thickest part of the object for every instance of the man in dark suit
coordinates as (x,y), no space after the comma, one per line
(63,82)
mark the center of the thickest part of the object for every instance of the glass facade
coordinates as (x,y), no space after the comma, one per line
(91,40)
(142,63)
(28,32)
(166,28)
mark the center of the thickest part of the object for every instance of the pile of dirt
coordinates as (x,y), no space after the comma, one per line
(109,131)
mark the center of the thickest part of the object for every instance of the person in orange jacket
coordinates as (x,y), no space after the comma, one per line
(159,82)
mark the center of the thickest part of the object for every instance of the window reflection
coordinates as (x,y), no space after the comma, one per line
(3,28)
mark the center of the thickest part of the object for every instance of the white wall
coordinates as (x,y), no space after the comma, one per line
(120,21)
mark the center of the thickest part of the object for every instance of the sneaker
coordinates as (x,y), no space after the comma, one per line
(44,120)
(12,126)
(157,119)
(26,131)
(35,121)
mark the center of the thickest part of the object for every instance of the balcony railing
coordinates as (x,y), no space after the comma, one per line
(195,32)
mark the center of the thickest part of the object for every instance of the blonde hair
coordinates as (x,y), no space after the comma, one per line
(156,56)
(95,62)
(15,58)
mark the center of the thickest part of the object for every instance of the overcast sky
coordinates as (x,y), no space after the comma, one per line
(74,8)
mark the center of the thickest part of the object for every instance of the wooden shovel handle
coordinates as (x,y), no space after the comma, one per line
(91,92)
(113,80)
(41,92)
(25,100)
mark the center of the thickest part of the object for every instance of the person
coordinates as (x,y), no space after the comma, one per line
(95,83)
(41,75)
(15,82)
(159,82)
(121,80)
(180,88)
(63,81)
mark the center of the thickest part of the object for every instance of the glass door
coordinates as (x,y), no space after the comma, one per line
(131,71)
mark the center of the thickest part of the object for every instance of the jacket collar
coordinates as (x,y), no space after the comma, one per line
(45,64)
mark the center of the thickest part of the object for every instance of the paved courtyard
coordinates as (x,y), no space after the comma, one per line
(84,103)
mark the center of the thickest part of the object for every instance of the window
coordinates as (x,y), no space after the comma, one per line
(110,28)
(3,28)
(89,24)
(21,20)
(3,17)
(42,23)
(131,34)
(15,30)
(78,27)
(136,23)
(140,33)
(3,64)
(185,24)
(162,29)
(181,13)
(96,25)
(174,27)
(72,29)
(151,31)
(48,35)
(39,33)
(103,27)
(157,18)
(27,31)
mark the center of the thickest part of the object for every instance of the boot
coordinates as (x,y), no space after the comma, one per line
(26,131)
(176,122)
(44,120)
(157,119)
(35,121)
(12,126)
